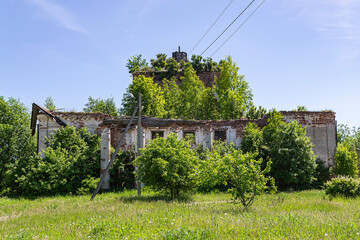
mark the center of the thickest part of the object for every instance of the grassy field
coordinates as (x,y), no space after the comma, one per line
(299,215)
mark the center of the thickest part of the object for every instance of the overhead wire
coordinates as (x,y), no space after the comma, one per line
(228,27)
(238,28)
(210,27)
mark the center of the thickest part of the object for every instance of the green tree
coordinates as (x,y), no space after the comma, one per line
(253,139)
(346,161)
(152,97)
(232,91)
(159,63)
(192,91)
(351,138)
(289,149)
(196,62)
(255,113)
(71,157)
(210,65)
(168,166)
(172,66)
(242,171)
(136,63)
(172,95)
(102,106)
(16,142)
(49,104)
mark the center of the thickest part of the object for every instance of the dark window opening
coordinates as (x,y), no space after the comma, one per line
(220,135)
(156,134)
(189,136)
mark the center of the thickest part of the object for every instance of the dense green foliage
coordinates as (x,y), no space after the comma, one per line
(256,113)
(343,187)
(289,149)
(102,106)
(136,63)
(351,138)
(152,98)
(346,161)
(16,142)
(122,171)
(168,166)
(71,157)
(242,171)
(229,98)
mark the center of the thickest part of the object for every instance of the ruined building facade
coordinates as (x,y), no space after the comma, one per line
(320,127)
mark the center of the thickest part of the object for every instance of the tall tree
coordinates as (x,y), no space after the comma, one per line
(233,92)
(16,141)
(136,63)
(152,97)
(192,91)
(172,98)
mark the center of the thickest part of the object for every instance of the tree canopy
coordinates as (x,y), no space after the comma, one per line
(229,98)
(101,105)
(16,141)
(289,149)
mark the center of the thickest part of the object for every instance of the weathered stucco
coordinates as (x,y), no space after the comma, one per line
(320,127)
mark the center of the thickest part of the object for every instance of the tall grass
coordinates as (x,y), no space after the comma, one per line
(296,215)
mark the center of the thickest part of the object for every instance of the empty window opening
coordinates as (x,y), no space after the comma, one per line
(220,135)
(156,134)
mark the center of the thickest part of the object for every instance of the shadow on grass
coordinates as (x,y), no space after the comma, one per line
(153,198)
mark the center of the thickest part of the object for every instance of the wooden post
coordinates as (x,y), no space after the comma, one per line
(139,143)
(114,155)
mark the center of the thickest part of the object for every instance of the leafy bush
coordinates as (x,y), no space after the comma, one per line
(168,166)
(322,175)
(242,171)
(289,149)
(88,185)
(16,142)
(343,187)
(346,161)
(102,106)
(122,171)
(71,156)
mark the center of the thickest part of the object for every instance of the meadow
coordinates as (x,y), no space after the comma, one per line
(296,215)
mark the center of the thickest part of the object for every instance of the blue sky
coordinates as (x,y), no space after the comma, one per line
(292,53)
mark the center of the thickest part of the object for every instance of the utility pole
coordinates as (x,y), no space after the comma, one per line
(139,142)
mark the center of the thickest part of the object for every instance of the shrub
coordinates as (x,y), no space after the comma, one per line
(346,161)
(322,175)
(16,142)
(71,156)
(122,171)
(343,187)
(289,149)
(168,166)
(242,171)
(88,185)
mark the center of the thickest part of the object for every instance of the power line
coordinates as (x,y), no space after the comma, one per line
(239,27)
(210,27)
(228,27)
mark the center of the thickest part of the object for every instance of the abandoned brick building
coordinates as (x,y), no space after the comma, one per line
(320,126)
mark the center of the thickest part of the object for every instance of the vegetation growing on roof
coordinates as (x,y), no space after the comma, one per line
(164,64)
(229,98)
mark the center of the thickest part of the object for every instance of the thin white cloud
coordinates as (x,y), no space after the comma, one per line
(334,19)
(59,14)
